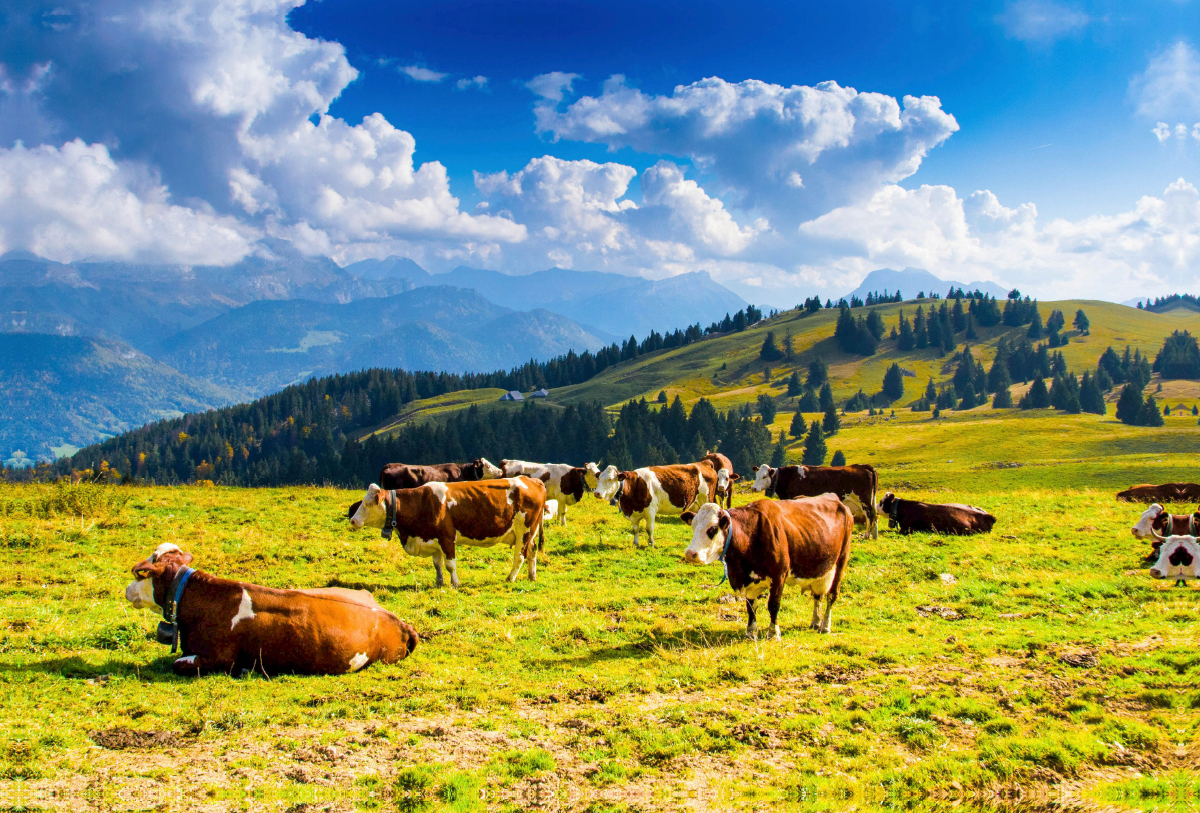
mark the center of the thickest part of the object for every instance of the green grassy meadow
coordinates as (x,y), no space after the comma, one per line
(1047,668)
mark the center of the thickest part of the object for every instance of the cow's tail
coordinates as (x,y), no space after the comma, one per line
(541,534)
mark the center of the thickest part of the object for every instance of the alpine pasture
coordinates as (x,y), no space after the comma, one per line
(1036,662)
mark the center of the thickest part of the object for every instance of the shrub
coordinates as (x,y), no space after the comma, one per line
(893,383)
(1179,356)
(839,459)
(814,446)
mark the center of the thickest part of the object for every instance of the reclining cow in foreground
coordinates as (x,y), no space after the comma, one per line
(226,625)
(1178,559)
(1156,523)
(437,517)
(1164,493)
(856,485)
(645,493)
(944,518)
(564,482)
(767,544)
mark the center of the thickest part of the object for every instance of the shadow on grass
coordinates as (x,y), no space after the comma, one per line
(646,646)
(75,667)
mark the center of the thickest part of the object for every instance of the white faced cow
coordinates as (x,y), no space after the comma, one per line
(1178,559)
(645,493)
(564,482)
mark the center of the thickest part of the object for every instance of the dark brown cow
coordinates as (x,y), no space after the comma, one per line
(1155,522)
(645,493)
(856,485)
(403,475)
(227,625)
(946,518)
(804,543)
(433,519)
(724,484)
(1164,493)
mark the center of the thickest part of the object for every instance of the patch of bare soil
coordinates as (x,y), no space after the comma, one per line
(120,739)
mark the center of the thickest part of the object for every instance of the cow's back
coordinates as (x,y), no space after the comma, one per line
(485,509)
(817,529)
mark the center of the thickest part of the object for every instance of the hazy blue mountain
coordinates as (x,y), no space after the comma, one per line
(614,303)
(912,281)
(68,391)
(391,268)
(266,345)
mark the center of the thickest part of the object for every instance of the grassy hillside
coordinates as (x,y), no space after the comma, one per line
(1046,662)
(727,370)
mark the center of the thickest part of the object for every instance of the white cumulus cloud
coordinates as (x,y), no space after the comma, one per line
(419,74)
(1042,21)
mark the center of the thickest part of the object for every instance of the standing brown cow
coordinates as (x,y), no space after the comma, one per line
(725,476)
(645,493)
(855,484)
(767,544)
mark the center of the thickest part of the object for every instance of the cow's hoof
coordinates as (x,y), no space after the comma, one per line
(752,635)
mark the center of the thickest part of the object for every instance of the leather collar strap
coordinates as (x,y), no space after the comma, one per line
(771,487)
(724,553)
(389,524)
(174,594)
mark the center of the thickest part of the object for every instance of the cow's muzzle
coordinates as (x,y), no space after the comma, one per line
(692,557)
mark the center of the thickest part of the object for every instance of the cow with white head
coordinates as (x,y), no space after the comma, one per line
(1178,559)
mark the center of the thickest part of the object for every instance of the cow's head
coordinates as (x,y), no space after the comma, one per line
(488,471)
(152,577)
(1178,558)
(371,511)
(591,475)
(608,483)
(885,505)
(710,526)
(726,479)
(1145,527)
(763,477)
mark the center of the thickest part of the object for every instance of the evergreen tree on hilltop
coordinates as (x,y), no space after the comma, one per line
(1056,321)
(1038,397)
(1035,325)
(1081,322)
(838,459)
(830,424)
(920,330)
(1129,404)
(971,335)
(893,383)
(1091,397)
(1148,414)
(968,397)
(930,392)
(767,408)
(1003,399)
(826,401)
(779,453)
(798,427)
(793,385)
(808,402)
(1179,356)
(814,447)
(769,350)
(906,340)
(965,370)
(958,317)
(818,373)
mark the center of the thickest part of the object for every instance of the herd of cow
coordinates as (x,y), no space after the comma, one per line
(801,539)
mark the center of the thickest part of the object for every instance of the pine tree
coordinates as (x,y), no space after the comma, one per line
(971,334)
(789,345)
(1081,322)
(920,332)
(779,454)
(814,447)
(808,402)
(767,408)
(1149,415)
(893,383)
(769,350)
(930,392)
(1035,326)
(830,424)
(1091,398)
(793,385)
(838,459)
(798,427)
(818,373)
(968,397)
(1129,404)
(1038,396)
(906,340)
(826,397)
(1003,399)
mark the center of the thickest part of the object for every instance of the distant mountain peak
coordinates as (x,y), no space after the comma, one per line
(912,281)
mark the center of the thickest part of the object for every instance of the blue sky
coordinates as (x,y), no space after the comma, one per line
(785,148)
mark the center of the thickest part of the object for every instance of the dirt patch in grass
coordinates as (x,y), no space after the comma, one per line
(121,739)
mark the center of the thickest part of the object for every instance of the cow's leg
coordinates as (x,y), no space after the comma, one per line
(827,621)
(773,602)
(196,665)
(562,516)
(752,622)
(650,529)
(448,549)
(816,619)
(452,566)
(438,558)
(873,516)
(517,560)
(637,521)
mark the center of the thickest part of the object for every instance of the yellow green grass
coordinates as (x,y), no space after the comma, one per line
(620,679)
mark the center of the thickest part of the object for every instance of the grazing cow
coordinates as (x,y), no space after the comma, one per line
(551,510)
(859,480)
(725,476)
(564,482)
(1155,523)
(433,519)
(1165,493)
(1178,559)
(645,493)
(401,475)
(223,625)
(767,544)
(946,518)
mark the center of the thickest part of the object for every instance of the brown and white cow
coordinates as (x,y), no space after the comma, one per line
(804,543)
(1178,559)
(564,482)
(725,476)
(946,518)
(858,481)
(645,493)
(1163,493)
(1156,523)
(403,475)
(437,517)
(229,625)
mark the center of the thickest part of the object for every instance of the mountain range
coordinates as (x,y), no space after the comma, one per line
(152,340)
(912,281)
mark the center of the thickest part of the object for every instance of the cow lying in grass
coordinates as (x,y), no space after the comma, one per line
(227,626)
(1163,493)
(804,543)
(1178,559)
(944,518)
(1155,523)
(437,517)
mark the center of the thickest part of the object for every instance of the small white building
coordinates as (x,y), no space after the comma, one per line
(542,393)
(512,395)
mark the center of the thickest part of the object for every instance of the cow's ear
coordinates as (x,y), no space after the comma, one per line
(353,509)
(773,472)
(146,569)
(724,521)
(621,475)
(733,478)
(687,517)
